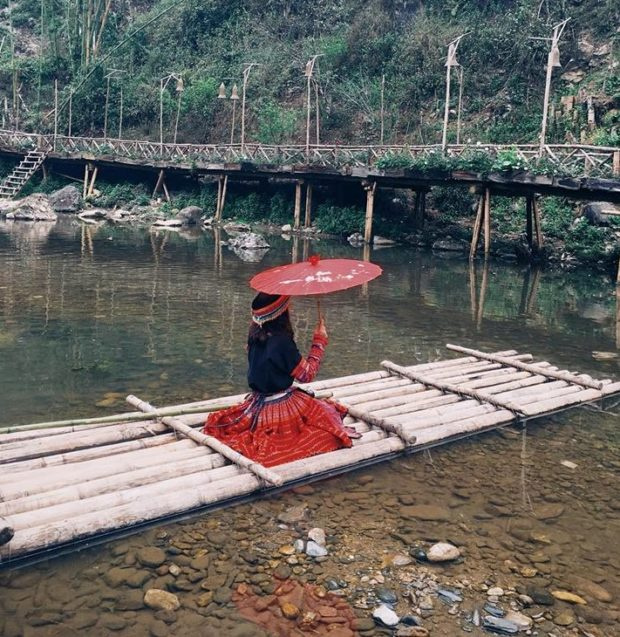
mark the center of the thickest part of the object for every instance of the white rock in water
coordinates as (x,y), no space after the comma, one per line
(568,464)
(442,552)
(168,223)
(157,599)
(248,241)
(286,227)
(317,535)
(495,591)
(315,550)
(385,615)
(522,621)
(299,546)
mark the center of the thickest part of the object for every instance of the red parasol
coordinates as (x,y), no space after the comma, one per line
(315,276)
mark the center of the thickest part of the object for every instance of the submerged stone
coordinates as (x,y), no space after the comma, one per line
(499,625)
(385,616)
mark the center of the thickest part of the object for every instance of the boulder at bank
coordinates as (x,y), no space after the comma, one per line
(190,216)
(248,241)
(32,208)
(599,213)
(67,199)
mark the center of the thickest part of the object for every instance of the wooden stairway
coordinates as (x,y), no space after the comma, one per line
(22,174)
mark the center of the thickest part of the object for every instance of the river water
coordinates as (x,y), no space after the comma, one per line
(90,314)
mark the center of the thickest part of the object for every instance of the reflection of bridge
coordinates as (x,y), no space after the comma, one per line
(597,169)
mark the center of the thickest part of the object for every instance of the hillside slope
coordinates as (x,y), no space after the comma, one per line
(206,42)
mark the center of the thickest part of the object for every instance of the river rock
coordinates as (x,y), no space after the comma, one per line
(541,595)
(317,535)
(385,616)
(315,550)
(450,245)
(566,596)
(549,511)
(293,514)
(386,595)
(151,556)
(189,216)
(499,625)
(522,621)
(161,600)
(442,552)
(588,588)
(33,208)
(167,223)
(67,199)
(93,213)
(248,241)
(356,239)
(411,631)
(382,241)
(426,512)
(565,618)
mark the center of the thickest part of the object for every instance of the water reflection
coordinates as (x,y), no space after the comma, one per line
(86,310)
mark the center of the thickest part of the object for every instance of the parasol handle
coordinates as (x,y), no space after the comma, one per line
(318,307)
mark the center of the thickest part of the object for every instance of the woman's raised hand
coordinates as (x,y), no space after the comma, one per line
(320,328)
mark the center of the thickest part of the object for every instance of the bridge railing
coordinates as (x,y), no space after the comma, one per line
(572,159)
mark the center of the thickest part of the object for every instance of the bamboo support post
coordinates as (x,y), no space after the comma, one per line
(616,164)
(370,189)
(449,387)
(477,228)
(234,456)
(537,226)
(223,197)
(487,222)
(218,216)
(386,425)
(160,181)
(534,369)
(91,187)
(308,217)
(297,212)
(528,219)
(86,180)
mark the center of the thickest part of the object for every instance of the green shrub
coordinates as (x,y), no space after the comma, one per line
(507,160)
(339,219)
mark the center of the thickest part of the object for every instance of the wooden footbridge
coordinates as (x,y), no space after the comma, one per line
(68,484)
(598,170)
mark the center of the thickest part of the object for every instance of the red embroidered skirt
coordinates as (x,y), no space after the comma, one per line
(280,430)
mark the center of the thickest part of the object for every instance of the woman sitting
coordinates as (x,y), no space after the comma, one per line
(278,422)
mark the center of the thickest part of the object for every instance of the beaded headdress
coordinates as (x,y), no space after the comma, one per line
(271,311)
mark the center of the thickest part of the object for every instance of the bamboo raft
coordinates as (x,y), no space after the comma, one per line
(64,485)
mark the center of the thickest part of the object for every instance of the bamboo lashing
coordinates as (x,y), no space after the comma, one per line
(449,387)
(569,378)
(202,439)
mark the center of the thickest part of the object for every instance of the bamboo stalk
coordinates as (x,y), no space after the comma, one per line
(571,378)
(382,424)
(217,445)
(185,497)
(449,387)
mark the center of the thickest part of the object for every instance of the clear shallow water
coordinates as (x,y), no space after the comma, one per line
(89,315)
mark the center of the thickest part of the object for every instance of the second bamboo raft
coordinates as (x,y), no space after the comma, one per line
(62,485)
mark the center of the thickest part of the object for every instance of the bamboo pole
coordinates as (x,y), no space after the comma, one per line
(487,222)
(534,369)
(234,456)
(449,387)
(186,496)
(475,237)
(386,425)
(308,216)
(297,212)
(537,222)
(86,178)
(160,180)
(118,418)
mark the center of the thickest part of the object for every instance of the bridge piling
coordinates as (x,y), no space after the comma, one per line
(487,222)
(308,218)
(477,228)
(370,188)
(297,214)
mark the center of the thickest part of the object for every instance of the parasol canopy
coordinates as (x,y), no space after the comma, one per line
(315,276)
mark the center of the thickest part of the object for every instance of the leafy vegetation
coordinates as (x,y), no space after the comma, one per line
(95,49)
